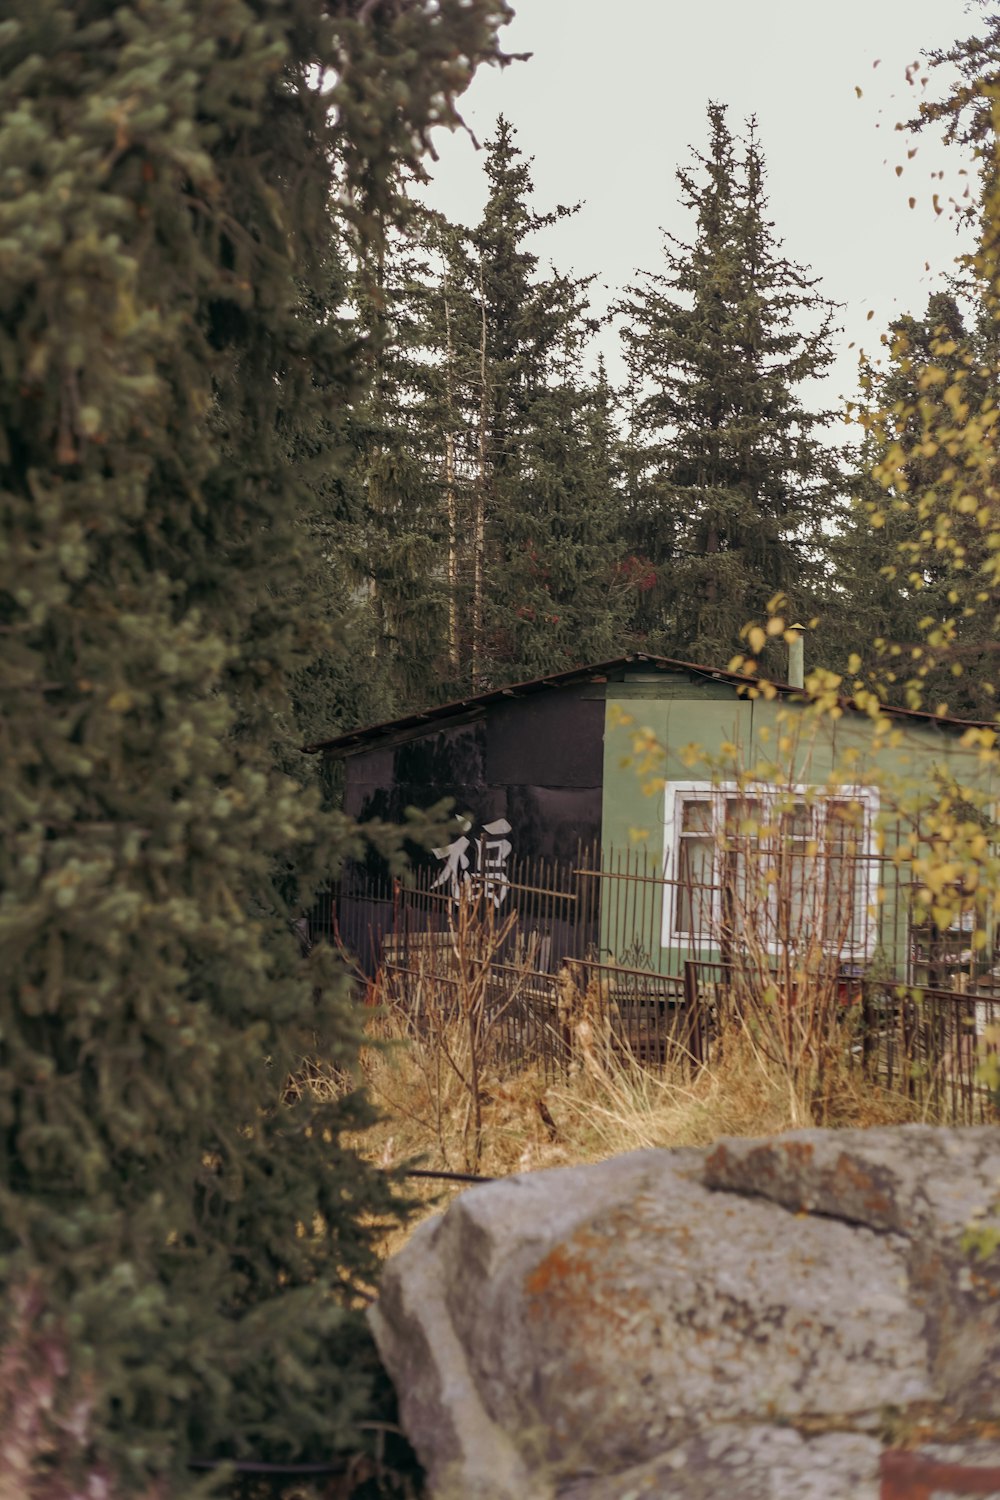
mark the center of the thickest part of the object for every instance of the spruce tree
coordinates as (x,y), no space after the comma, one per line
(407,489)
(338,682)
(485,505)
(190,1242)
(399,540)
(730,481)
(544,591)
(565,592)
(518,329)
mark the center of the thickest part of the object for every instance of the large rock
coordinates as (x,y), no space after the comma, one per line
(686,1323)
(930,1186)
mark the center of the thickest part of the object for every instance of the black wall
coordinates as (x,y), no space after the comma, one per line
(537,761)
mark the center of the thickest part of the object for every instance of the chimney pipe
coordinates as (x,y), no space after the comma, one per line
(796,657)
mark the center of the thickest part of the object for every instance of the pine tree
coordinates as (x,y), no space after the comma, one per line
(966,113)
(400,540)
(729,479)
(190,1240)
(516,335)
(452,321)
(485,508)
(408,487)
(339,682)
(566,594)
(544,587)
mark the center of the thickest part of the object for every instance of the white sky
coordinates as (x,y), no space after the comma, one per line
(616,91)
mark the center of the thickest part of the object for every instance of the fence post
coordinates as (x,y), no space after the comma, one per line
(869,1027)
(695,1040)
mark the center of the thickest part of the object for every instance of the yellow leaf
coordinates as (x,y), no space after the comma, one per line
(637,835)
(757,638)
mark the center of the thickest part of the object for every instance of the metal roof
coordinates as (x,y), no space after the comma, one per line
(356,739)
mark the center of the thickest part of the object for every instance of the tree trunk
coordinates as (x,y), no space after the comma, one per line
(450,500)
(479,510)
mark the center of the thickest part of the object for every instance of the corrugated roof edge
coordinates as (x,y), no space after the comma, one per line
(355,739)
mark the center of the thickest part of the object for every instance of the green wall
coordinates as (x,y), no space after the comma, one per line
(803,748)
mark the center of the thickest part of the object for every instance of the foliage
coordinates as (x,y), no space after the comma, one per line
(385,521)
(936,431)
(605,1103)
(165,230)
(912,598)
(485,509)
(562,593)
(933,439)
(443,1003)
(525,562)
(927,505)
(730,480)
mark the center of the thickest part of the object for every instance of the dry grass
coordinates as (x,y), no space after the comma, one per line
(606,1106)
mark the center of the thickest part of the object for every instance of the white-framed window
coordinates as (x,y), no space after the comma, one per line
(790,866)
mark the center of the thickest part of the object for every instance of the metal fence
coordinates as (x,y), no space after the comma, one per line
(636,963)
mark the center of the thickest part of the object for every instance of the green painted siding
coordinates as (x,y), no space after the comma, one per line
(693,721)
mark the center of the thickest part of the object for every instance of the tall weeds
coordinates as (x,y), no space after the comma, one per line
(448,1009)
(786,915)
(604,1102)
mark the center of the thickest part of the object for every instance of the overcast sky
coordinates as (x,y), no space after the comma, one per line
(616,91)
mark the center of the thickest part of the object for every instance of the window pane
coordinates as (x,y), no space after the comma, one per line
(696,816)
(844,827)
(797,824)
(845,884)
(800,881)
(743,817)
(694,883)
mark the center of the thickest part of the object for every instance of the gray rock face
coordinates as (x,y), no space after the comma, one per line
(657,1325)
(748,1463)
(925,1184)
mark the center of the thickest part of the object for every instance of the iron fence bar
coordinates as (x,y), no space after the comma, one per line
(668,996)
(613,968)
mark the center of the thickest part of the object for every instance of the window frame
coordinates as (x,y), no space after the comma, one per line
(719,794)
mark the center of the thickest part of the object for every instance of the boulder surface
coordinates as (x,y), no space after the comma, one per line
(748,1320)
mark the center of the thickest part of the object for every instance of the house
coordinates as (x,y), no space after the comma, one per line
(676,864)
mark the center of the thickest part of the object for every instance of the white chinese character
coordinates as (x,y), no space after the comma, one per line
(456,869)
(492,851)
(492,855)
